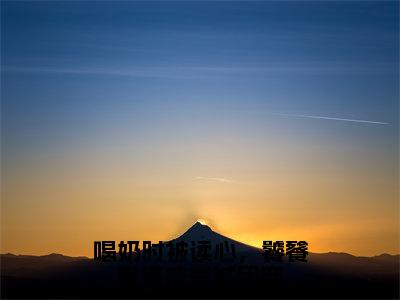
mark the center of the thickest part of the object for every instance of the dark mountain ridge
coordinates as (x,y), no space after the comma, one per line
(325,275)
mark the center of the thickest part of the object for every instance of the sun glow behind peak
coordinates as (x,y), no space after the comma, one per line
(202,221)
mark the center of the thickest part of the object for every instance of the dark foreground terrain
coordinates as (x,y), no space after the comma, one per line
(329,275)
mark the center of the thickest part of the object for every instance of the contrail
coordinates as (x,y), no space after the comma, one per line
(220,179)
(331,118)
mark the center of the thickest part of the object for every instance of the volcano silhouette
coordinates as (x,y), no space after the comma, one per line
(200,232)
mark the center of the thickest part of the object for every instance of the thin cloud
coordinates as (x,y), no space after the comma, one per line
(218,179)
(333,119)
(137,72)
(203,71)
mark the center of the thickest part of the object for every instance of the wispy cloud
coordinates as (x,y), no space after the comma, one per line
(218,179)
(306,67)
(137,72)
(203,71)
(333,118)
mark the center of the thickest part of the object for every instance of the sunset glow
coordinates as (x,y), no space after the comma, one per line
(265,120)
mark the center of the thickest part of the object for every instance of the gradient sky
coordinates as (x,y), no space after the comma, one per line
(130,120)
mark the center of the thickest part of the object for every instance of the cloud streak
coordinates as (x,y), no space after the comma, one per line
(136,72)
(333,119)
(202,71)
(218,179)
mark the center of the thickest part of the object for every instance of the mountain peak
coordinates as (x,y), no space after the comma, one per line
(198,231)
(199,226)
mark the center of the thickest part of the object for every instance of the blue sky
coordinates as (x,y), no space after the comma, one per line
(84,82)
(68,67)
(337,59)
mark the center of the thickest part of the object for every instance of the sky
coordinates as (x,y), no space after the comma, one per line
(131,120)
